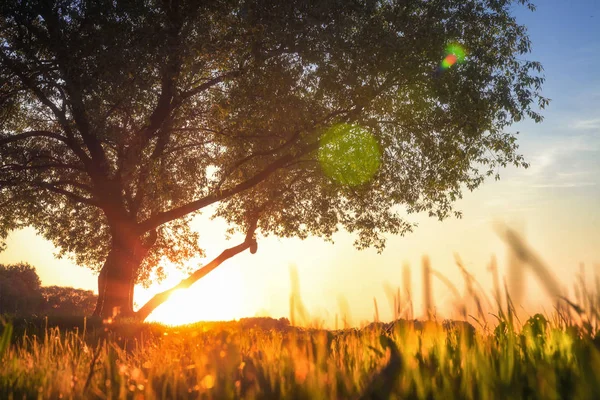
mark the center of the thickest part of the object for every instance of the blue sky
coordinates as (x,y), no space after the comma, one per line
(555,203)
(563,150)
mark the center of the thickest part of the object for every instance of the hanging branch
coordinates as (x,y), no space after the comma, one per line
(158,299)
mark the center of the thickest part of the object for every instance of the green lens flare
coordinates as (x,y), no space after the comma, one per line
(456,50)
(455,53)
(349,154)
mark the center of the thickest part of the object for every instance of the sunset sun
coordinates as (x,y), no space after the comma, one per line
(217,297)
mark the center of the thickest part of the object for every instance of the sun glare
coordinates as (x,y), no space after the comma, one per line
(217,297)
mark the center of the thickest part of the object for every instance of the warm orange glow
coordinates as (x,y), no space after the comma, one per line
(216,297)
(259,285)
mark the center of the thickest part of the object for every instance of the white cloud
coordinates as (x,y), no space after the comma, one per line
(541,162)
(564,185)
(573,174)
(587,124)
(561,157)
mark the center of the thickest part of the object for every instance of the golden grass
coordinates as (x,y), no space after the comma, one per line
(546,357)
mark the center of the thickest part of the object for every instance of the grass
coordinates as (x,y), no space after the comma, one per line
(401,360)
(554,356)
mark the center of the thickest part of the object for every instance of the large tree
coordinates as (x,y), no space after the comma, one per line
(122,120)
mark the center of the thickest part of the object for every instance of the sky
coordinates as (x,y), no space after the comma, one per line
(554,204)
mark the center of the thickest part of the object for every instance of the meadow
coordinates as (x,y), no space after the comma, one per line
(403,360)
(552,356)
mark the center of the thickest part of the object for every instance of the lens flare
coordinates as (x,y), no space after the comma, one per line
(455,53)
(449,61)
(457,50)
(349,154)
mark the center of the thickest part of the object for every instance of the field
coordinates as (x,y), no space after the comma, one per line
(263,358)
(554,356)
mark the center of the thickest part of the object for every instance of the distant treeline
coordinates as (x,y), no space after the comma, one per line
(22,294)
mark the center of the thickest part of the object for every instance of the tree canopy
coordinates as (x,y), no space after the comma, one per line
(120,121)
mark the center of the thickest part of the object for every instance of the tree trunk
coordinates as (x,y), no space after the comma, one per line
(117,277)
(115,284)
(101,288)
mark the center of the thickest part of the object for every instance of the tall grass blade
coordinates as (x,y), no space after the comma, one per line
(5,338)
(407,288)
(427,289)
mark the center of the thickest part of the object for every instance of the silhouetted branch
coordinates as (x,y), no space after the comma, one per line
(75,197)
(166,216)
(21,167)
(30,134)
(208,84)
(161,297)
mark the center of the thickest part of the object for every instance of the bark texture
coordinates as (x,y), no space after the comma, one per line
(115,284)
(117,278)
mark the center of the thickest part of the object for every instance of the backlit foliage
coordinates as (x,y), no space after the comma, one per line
(137,115)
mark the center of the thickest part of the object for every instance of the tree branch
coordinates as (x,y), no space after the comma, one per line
(76,184)
(75,197)
(208,84)
(166,216)
(164,107)
(73,89)
(249,157)
(18,69)
(161,297)
(30,134)
(21,167)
